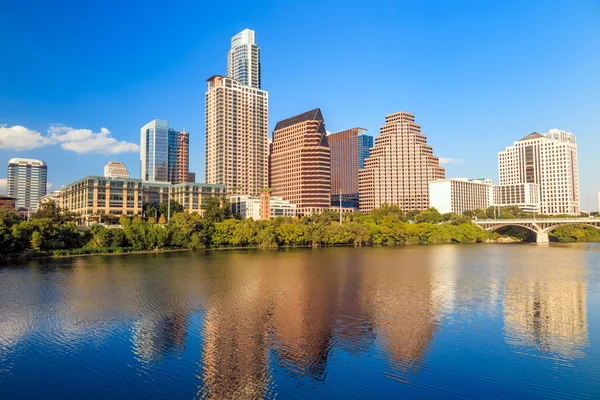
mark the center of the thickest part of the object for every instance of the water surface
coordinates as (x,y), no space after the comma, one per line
(469,321)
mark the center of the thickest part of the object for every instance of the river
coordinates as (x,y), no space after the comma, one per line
(448,321)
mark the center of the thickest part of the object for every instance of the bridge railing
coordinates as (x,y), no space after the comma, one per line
(553,220)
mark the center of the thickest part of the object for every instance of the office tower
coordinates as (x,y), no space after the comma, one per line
(164,153)
(349,148)
(115,169)
(27,180)
(154,151)
(243,60)
(300,162)
(236,135)
(178,156)
(400,167)
(549,160)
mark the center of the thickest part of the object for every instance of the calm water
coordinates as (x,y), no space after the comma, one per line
(469,321)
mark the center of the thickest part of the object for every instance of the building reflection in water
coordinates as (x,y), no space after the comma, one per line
(545,304)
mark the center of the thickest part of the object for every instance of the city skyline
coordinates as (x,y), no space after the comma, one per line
(466,132)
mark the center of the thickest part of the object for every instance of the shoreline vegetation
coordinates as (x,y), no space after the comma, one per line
(51,232)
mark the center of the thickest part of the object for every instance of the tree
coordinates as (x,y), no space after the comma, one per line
(216,209)
(411,215)
(175,208)
(432,216)
(162,220)
(37,241)
(387,210)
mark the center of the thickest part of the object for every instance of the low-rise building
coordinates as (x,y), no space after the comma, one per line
(7,202)
(250,207)
(526,196)
(93,196)
(458,195)
(53,196)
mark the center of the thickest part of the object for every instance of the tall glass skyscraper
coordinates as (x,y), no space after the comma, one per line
(27,180)
(164,153)
(243,60)
(154,151)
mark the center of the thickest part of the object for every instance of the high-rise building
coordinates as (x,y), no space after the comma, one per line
(178,156)
(236,135)
(300,162)
(154,151)
(349,148)
(549,160)
(115,169)
(400,167)
(27,181)
(237,121)
(243,60)
(164,153)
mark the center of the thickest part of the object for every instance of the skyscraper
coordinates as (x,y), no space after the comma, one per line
(300,162)
(154,151)
(550,160)
(27,180)
(400,167)
(349,148)
(178,156)
(164,153)
(243,60)
(237,121)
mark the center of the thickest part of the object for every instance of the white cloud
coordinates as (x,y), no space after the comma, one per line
(447,160)
(3,182)
(20,138)
(78,140)
(48,187)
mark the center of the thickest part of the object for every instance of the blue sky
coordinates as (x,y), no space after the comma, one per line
(478,75)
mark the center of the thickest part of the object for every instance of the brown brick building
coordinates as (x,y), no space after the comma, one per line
(400,167)
(300,162)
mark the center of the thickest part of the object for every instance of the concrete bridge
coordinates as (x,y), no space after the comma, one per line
(540,226)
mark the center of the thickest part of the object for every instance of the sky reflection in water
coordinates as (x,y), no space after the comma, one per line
(440,321)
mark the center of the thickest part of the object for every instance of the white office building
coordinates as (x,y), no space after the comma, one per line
(27,180)
(550,161)
(249,207)
(458,195)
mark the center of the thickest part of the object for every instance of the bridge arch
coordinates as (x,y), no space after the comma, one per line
(498,226)
(553,227)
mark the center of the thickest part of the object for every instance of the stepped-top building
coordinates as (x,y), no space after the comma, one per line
(549,160)
(400,167)
(300,162)
(115,169)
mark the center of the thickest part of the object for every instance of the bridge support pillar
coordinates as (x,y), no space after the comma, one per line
(542,237)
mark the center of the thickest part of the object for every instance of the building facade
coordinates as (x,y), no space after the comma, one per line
(115,169)
(526,196)
(254,207)
(300,162)
(178,156)
(459,195)
(236,135)
(27,181)
(399,168)
(94,196)
(549,160)
(154,151)
(164,153)
(349,148)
